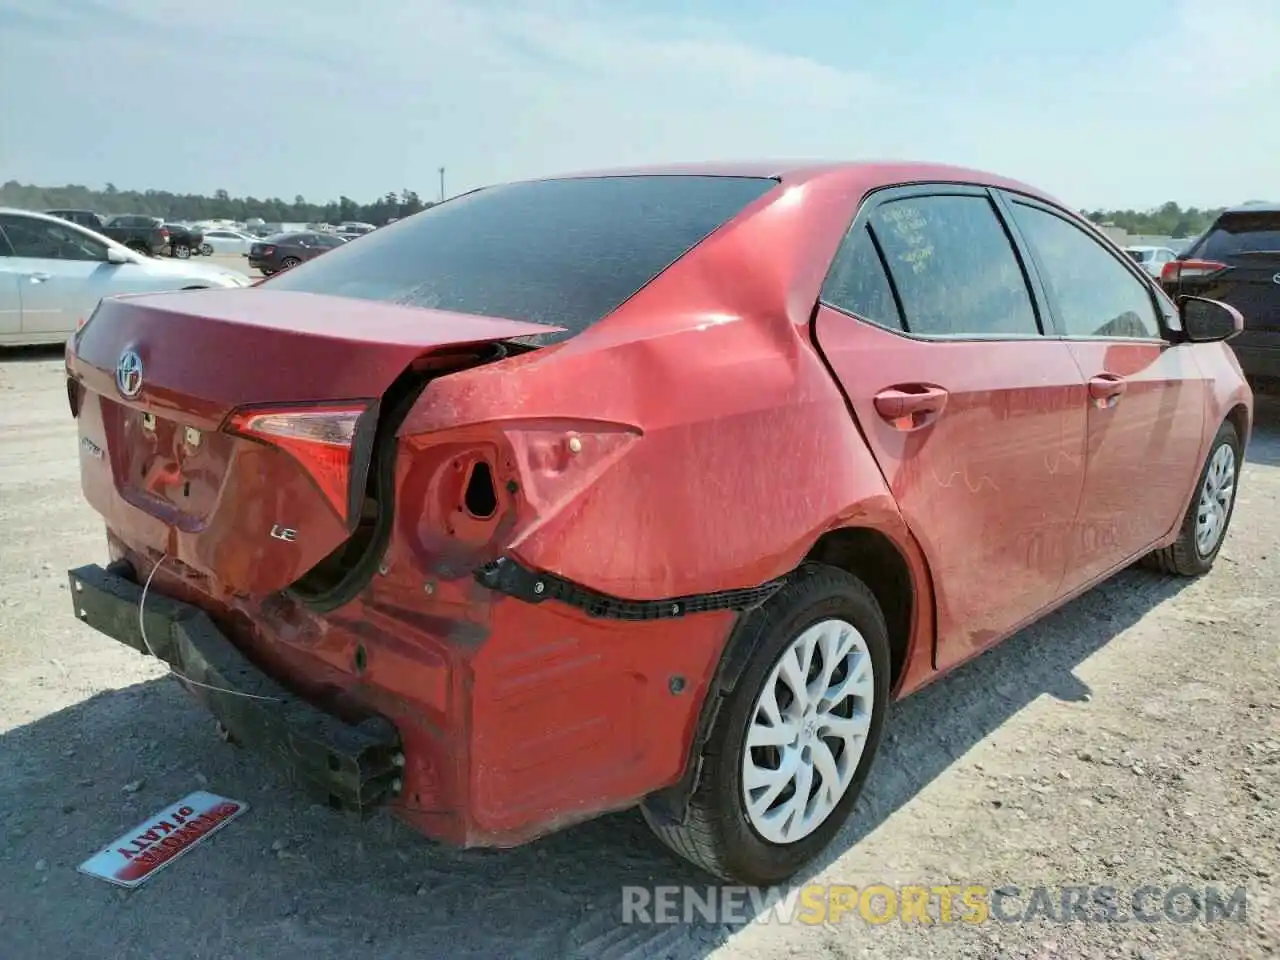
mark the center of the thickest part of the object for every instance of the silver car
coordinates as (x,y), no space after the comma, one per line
(53,274)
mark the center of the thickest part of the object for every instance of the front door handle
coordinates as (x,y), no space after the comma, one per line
(910,406)
(38,277)
(1106,389)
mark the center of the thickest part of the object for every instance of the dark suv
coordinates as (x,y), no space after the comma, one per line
(1238,261)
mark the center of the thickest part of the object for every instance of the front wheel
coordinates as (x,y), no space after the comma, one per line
(794,741)
(1204,526)
(288,262)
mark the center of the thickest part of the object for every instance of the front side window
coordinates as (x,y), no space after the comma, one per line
(1093,293)
(40,239)
(954,267)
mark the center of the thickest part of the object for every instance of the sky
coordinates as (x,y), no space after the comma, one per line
(1101,103)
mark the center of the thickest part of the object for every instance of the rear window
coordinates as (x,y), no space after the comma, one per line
(1142,256)
(1241,233)
(562,252)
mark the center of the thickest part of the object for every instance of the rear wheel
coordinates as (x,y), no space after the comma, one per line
(794,741)
(288,262)
(181,251)
(206,249)
(1204,526)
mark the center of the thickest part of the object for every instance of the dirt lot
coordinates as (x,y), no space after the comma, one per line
(1133,738)
(231,261)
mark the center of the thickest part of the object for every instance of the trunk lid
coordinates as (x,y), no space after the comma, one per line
(233,429)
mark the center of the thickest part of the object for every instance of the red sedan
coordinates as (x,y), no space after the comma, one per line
(648,487)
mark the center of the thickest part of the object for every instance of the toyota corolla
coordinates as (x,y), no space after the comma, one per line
(642,488)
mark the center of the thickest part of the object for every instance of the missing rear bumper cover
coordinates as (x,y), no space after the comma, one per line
(506,576)
(348,767)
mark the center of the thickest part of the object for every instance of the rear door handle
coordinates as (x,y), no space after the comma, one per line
(910,406)
(38,277)
(1106,389)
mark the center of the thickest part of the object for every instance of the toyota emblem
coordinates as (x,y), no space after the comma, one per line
(1276,278)
(129,374)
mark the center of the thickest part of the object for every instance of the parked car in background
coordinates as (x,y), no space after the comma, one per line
(480,498)
(1237,261)
(184,241)
(352,229)
(1152,259)
(287,250)
(53,273)
(223,240)
(86,218)
(141,234)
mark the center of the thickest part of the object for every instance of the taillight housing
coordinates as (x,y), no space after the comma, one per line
(164,233)
(266,251)
(332,442)
(1178,270)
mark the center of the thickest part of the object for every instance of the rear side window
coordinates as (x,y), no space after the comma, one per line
(857,283)
(562,252)
(954,267)
(1241,233)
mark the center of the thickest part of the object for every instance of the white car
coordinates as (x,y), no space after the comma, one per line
(1152,259)
(224,240)
(54,273)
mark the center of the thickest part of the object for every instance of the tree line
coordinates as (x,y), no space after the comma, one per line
(1167,220)
(220,206)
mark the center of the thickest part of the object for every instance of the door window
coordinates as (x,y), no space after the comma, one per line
(1094,294)
(954,267)
(857,283)
(41,239)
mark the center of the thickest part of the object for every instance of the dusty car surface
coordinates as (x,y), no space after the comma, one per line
(644,487)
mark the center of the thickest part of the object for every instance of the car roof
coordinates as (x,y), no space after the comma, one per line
(39,214)
(1254,208)
(792,172)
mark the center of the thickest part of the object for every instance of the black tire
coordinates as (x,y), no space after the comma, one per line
(1183,557)
(717,835)
(206,250)
(181,251)
(288,262)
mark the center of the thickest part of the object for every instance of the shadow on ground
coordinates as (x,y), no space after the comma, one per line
(294,881)
(40,354)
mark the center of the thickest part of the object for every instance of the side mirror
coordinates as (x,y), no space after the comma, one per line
(1207,321)
(117,256)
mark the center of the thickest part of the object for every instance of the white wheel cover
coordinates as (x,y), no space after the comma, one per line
(1215,499)
(808,731)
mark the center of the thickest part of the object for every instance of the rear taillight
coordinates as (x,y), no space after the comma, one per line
(322,439)
(1176,270)
(164,234)
(266,251)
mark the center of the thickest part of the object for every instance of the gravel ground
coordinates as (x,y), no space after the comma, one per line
(1132,738)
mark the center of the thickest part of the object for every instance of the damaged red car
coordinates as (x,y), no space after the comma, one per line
(642,488)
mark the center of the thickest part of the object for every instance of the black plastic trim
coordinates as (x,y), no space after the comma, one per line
(509,577)
(348,767)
